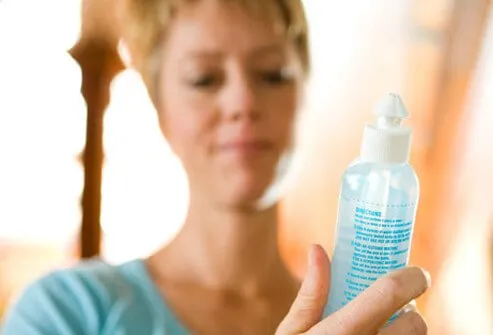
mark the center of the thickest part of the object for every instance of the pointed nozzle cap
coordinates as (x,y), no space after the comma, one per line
(392,107)
(387,141)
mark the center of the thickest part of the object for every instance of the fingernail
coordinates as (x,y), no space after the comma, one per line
(309,281)
(311,256)
(411,307)
(427,276)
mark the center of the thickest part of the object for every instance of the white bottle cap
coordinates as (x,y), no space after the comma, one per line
(387,141)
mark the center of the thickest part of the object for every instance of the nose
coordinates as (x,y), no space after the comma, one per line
(239,99)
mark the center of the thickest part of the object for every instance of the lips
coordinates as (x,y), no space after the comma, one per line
(246,146)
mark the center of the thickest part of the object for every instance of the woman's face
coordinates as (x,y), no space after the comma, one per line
(228,95)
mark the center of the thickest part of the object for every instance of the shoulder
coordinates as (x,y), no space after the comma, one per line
(70,301)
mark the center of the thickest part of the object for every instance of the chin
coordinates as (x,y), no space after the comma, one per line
(256,194)
(256,189)
(245,190)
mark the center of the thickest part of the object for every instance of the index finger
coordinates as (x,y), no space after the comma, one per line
(373,307)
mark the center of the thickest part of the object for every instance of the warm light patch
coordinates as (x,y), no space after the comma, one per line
(145,193)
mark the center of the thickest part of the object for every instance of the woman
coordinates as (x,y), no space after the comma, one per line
(225,77)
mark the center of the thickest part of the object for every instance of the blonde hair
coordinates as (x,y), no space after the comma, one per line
(145,22)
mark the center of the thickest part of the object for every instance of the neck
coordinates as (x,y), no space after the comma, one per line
(226,250)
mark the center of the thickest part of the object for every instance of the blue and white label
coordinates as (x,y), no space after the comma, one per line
(371,241)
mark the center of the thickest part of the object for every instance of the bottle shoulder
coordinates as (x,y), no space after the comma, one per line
(363,168)
(374,180)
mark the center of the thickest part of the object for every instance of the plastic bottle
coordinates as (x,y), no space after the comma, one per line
(377,207)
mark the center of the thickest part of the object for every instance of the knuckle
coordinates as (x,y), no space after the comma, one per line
(343,323)
(306,306)
(307,301)
(391,290)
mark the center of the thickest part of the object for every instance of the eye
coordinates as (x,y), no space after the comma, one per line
(275,77)
(204,81)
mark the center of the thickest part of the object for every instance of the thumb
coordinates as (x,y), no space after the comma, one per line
(308,307)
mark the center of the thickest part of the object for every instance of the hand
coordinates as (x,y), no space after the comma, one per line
(364,315)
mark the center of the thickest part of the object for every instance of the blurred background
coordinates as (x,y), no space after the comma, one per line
(85,172)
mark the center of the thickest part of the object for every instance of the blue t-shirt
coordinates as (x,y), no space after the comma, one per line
(93,299)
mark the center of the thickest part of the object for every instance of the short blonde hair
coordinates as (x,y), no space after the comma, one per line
(145,22)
